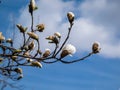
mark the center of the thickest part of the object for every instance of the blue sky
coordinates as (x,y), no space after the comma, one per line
(96,20)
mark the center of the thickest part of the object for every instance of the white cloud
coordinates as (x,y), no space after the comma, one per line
(99,21)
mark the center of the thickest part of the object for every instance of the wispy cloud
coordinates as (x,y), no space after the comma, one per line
(99,21)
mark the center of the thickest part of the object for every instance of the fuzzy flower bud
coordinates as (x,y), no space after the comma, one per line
(18,70)
(96,47)
(21,28)
(50,38)
(40,27)
(57,34)
(32,6)
(36,64)
(68,50)
(2,38)
(33,35)
(1,59)
(14,58)
(17,51)
(31,45)
(9,40)
(70,16)
(53,39)
(26,53)
(29,60)
(47,53)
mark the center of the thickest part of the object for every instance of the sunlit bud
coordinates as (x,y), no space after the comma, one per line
(33,35)
(68,50)
(31,45)
(9,40)
(57,34)
(39,51)
(2,38)
(36,64)
(25,47)
(18,70)
(40,27)
(70,16)
(26,53)
(96,47)
(50,38)
(20,77)
(29,60)
(17,51)
(1,59)
(21,28)
(32,6)
(55,40)
(14,58)
(32,2)
(47,53)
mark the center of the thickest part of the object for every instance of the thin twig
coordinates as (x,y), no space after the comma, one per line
(67,62)
(73,61)
(69,30)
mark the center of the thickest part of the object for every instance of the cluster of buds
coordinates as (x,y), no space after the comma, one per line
(23,57)
(2,38)
(55,38)
(68,50)
(96,47)
(21,28)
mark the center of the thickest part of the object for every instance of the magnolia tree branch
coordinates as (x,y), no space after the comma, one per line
(12,58)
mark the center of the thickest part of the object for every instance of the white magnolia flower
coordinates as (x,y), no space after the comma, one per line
(57,34)
(68,50)
(70,16)
(96,47)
